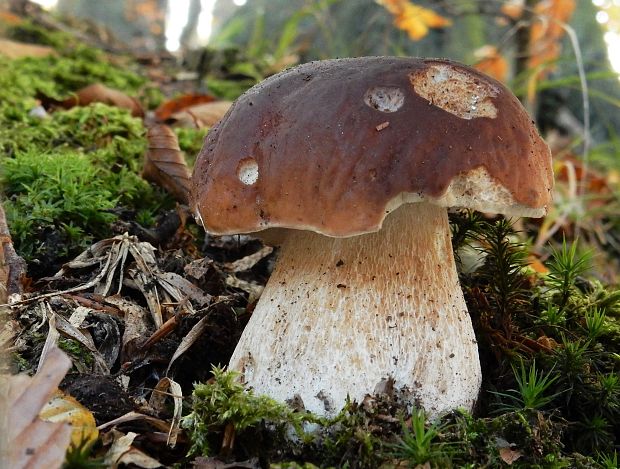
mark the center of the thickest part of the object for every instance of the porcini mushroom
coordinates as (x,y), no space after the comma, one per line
(323,152)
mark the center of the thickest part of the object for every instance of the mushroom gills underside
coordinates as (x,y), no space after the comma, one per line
(339,316)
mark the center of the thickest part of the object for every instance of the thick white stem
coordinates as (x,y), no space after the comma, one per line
(341,315)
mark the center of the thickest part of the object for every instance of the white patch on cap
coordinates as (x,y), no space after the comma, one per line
(384,98)
(456,91)
(477,190)
(247,171)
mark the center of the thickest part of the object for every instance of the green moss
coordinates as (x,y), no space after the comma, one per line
(190,142)
(76,350)
(226,402)
(28,32)
(55,192)
(67,173)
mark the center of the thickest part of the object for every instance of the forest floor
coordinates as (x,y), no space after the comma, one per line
(110,266)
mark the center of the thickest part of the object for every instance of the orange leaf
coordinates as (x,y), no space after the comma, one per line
(202,115)
(414,19)
(547,30)
(99,93)
(537,266)
(165,110)
(164,163)
(10,18)
(492,63)
(513,9)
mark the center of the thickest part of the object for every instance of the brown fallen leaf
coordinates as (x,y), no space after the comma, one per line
(33,442)
(168,108)
(136,326)
(122,452)
(509,455)
(98,93)
(136,416)
(169,388)
(202,115)
(202,462)
(16,50)
(164,163)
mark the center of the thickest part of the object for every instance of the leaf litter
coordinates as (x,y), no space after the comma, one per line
(128,318)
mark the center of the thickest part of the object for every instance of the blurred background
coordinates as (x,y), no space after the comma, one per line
(535,46)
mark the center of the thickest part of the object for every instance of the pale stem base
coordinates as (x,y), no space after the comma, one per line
(341,315)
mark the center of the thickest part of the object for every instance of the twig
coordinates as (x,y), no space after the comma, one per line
(11,261)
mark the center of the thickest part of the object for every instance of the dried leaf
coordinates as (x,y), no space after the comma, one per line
(254,290)
(198,268)
(145,285)
(136,326)
(31,441)
(188,340)
(172,106)
(136,416)
(68,330)
(491,62)
(414,19)
(164,163)
(247,262)
(51,341)
(8,330)
(215,463)
(99,93)
(165,388)
(202,115)
(65,408)
(17,50)
(545,39)
(513,9)
(181,289)
(509,455)
(121,452)
(191,337)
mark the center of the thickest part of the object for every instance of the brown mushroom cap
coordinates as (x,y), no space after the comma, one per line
(333,146)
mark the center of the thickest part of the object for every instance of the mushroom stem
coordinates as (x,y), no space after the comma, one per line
(339,316)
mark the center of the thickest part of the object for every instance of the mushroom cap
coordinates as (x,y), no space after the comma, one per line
(333,146)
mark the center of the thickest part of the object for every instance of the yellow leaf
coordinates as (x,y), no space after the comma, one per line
(65,408)
(414,19)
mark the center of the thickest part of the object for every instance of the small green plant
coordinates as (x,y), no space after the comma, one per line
(607,394)
(503,269)
(595,322)
(572,363)
(564,268)
(608,460)
(531,392)
(552,316)
(81,456)
(593,433)
(420,444)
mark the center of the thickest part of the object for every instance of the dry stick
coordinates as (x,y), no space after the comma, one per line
(14,262)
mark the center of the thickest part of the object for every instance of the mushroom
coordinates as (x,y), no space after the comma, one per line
(319,155)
